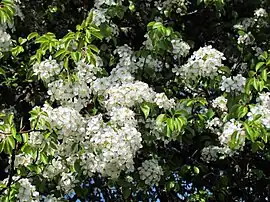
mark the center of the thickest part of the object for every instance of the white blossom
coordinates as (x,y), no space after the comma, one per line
(214,125)
(150,172)
(260,13)
(235,83)
(27,192)
(220,103)
(213,153)
(262,109)
(67,182)
(180,48)
(204,63)
(5,40)
(229,129)
(47,69)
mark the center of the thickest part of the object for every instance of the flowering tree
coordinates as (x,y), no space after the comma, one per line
(134,100)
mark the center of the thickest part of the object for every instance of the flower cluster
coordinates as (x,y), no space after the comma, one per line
(155,129)
(204,62)
(180,48)
(168,6)
(163,102)
(262,109)
(35,139)
(128,94)
(55,168)
(231,128)
(213,153)
(99,16)
(50,198)
(27,192)
(47,69)
(117,148)
(246,39)
(150,172)
(23,159)
(5,41)
(87,72)
(67,121)
(214,125)
(260,13)
(220,103)
(235,83)
(72,94)
(67,182)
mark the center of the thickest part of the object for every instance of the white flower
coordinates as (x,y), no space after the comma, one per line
(214,125)
(35,139)
(150,172)
(27,192)
(246,39)
(99,16)
(5,40)
(23,159)
(163,102)
(220,103)
(180,48)
(260,13)
(87,72)
(262,108)
(47,69)
(235,83)
(229,129)
(213,153)
(67,182)
(70,94)
(204,62)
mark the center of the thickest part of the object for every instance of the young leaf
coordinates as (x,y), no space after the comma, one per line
(145,109)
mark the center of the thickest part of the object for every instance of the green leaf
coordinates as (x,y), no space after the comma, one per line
(248,86)
(44,158)
(89,18)
(250,132)
(259,65)
(126,192)
(60,52)
(17,50)
(76,56)
(210,113)
(22,40)
(169,132)
(264,74)
(178,124)
(255,84)
(2,145)
(18,137)
(10,119)
(66,62)
(97,33)
(196,170)
(145,109)
(94,48)
(242,111)
(2,71)
(157,25)
(25,137)
(11,142)
(9,145)
(27,149)
(161,118)
(225,69)
(170,123)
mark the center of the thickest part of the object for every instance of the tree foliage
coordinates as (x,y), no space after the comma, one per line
(134,100)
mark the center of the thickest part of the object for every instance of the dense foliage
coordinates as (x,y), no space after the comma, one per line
(140,100)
